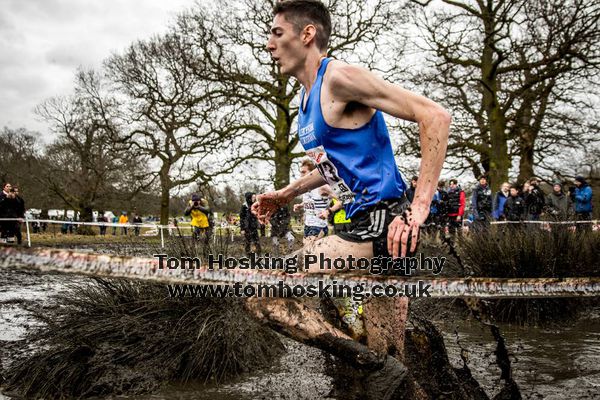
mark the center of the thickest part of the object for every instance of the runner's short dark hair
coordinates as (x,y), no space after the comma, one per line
(453,181)
(307,162)
(305,12)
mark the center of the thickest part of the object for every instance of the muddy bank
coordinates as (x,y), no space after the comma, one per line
(541,366)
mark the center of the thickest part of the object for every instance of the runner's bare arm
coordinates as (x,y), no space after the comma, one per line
(267,203)
(302,185)
(349,83)
(352,83)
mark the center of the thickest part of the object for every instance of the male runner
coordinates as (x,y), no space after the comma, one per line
(313,203)
(341,127)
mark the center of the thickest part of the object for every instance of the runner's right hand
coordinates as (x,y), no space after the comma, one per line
(267,204)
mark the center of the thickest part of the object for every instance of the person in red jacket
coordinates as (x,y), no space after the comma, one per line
(456,206)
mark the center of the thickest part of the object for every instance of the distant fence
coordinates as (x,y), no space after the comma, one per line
(154,229)
(157,229)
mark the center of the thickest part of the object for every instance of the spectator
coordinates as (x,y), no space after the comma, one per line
(115,221)
(71,227)
(280,229)
(137,220)
(442,205)
(583,201)
(64,228)
(123,219)
(514,207)
(249,224)
(456,206)
(197,209)
(4,225)
(558,203)
(44,216)
(481,204)
(19,213)
(535,200)
(11,209)
(102,219)
(410,192)
(433,208)
(337,213)
(499,200)
(6,187)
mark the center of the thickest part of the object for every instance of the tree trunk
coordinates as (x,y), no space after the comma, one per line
(86,214)
(165,187)
(282,146)
(526,147)
(499,158)
(283,164)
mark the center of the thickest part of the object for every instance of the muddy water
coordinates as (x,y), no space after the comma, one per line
(558,363)
(555,363)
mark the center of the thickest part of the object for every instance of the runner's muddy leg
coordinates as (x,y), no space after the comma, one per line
(297,321)
(385,323)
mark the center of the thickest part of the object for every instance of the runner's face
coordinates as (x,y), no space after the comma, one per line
(285,45)
(304,171)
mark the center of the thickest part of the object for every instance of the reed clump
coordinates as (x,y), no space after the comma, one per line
(116,337)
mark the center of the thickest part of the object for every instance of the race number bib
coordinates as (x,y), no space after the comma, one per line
(330,173)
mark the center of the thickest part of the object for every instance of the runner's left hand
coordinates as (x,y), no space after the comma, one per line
(404,226)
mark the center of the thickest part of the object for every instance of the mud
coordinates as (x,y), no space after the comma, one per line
(560,361)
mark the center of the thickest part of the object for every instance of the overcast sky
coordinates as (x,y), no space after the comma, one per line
(42,42)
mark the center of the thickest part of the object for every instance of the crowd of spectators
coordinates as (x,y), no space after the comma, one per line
(511,203)
(449,210)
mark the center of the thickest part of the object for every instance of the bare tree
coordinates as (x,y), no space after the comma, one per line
(83,166)
(169,116)
(512,71)
(229,52)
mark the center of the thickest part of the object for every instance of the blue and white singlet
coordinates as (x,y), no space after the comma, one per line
(358,163)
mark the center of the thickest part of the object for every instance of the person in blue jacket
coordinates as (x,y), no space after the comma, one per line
(582,197)
(499,200)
